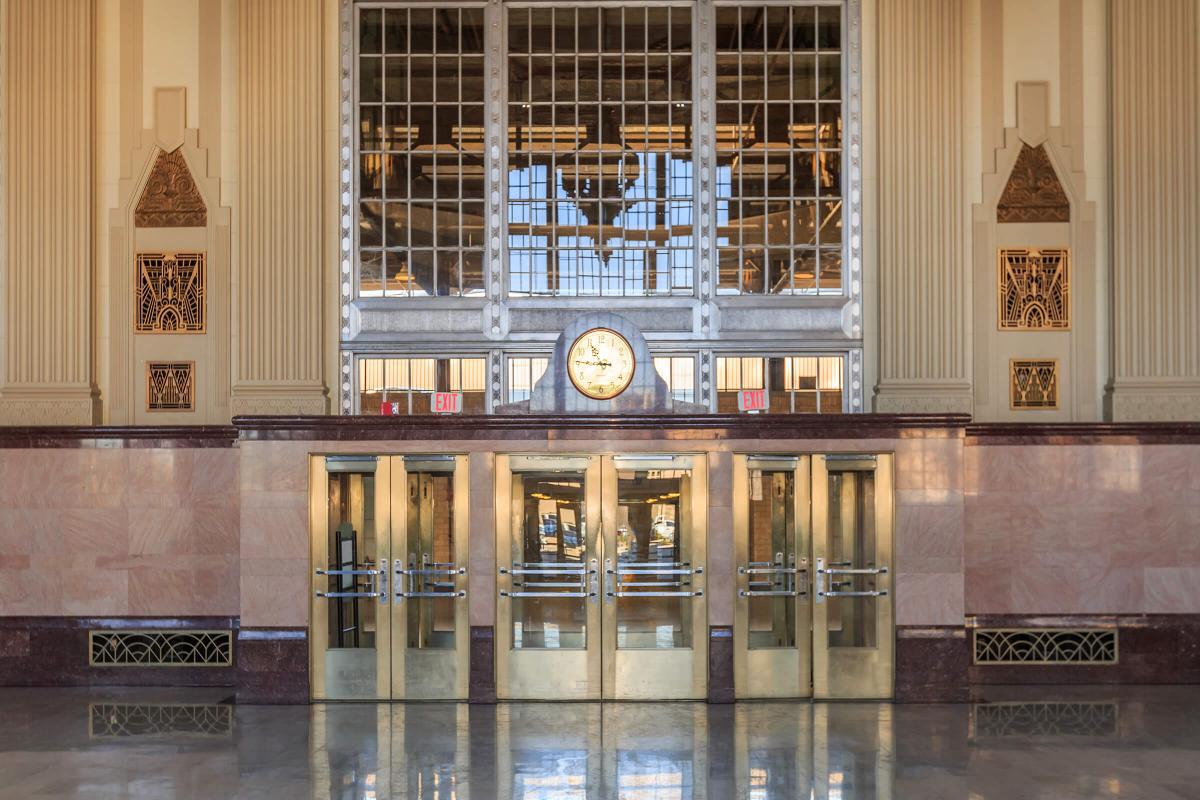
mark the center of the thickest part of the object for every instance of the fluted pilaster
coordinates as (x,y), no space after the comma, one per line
(47,270)
(922,210)
(278,309)
(1156,209)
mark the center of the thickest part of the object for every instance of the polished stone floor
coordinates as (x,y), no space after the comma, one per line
(1013,744)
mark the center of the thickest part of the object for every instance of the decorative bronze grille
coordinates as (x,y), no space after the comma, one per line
(1034,289)
(160,648)
(1034,384)
(120,720)
(170,293)
(1033,192)
(1043,646)
(1044,719)
(170,385)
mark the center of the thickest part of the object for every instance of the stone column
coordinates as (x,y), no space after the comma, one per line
(1156,210)
(279,327)
(922,278)
(46,97)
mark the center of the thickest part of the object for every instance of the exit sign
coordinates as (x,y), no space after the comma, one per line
(753,400)
(446,402)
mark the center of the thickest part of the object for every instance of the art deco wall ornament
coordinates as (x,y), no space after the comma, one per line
(1034,384)
(170,293)
(1034,289)
(1033,192)
(170,199)
(170,385)
(160,648)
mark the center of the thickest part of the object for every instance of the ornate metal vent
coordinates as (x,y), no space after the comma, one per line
(1033,192)
(170,199)
(1045,646)
(161,648)
(170,385)
(119,720)
(1034,289)
(170,293)
(1034,384)
(1044,719)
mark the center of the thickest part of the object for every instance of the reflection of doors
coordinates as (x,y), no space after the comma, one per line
(388,617)
(813,539)
(601,577)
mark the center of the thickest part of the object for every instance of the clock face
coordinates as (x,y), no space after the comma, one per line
(600,363)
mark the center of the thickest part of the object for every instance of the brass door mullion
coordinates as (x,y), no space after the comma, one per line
(602,497)
(461,555)
(803,544)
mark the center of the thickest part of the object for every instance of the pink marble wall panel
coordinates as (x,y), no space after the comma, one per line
(119,532)
(1082,529)
(275,545)
(928,545)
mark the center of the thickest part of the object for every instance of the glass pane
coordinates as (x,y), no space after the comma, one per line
(430,560)
(772,545)
(353,546)
(549,540)
(851,546)
(653,526)
(600,152)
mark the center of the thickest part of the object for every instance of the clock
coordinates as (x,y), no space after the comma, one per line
(600,363)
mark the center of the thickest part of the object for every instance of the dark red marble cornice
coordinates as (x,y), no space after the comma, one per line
(117,436)
(546,427)
(1023,433)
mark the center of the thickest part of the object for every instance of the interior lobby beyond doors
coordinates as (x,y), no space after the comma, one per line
(601,577)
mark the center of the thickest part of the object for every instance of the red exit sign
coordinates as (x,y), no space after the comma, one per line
(446,402)
(753,400)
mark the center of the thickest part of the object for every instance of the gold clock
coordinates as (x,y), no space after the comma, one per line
(600,363)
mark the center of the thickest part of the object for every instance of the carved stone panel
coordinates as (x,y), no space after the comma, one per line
(170,385)
(170,293)
(170,199)
(1033,384)
(1033,192)
(1034,289)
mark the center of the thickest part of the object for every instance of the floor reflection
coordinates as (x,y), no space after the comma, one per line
(1065,743)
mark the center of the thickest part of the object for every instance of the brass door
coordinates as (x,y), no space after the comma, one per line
(853,629)
(773,611)
(429,620)
(388,611)
(655,626)
(601,578)
(548,551)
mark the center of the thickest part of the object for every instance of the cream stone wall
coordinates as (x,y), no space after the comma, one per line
(1156,209)
(47,374)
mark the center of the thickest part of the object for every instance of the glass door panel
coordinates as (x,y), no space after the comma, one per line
(351,633)
(429,568)
(853,632)
(772,611)
(548,613)
(655,617)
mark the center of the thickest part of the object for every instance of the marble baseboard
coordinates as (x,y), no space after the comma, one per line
(482,685)
(272,666)
(1151,649)
(53,651)
(720,664)
(932,664)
